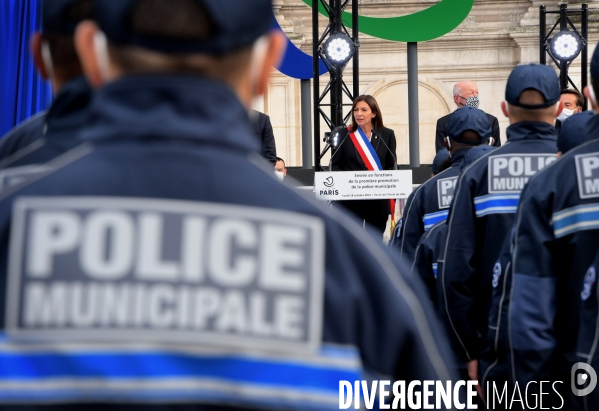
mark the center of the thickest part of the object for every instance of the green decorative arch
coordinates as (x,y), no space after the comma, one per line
(425,25)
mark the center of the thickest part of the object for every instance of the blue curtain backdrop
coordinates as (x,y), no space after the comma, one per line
(22,91)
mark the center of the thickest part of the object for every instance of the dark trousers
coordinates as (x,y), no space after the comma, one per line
(374,212)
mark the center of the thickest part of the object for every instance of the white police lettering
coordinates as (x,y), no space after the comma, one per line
(445,190)
(587,171)
(108,268)
(509,173)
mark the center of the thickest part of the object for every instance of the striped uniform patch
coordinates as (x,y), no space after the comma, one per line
(579,218)
(496,204)
(34,373)
(434,218)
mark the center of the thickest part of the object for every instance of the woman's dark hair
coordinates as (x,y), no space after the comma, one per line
(377,121)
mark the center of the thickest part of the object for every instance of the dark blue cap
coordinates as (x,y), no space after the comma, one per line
(474,154)
(533,77)
(57,16)
(440,158)
(572,133)
(234,24)
(468,118)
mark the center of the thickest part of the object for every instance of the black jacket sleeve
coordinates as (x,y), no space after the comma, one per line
(440,134)
(495,132)
(269,149)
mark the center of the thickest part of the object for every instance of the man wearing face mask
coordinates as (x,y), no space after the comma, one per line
(280,170)
(573,101)
(154,275)
(465,94)
(468,127)
(46,136)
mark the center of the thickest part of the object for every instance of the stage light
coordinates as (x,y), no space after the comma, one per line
(339,49)
(566,45)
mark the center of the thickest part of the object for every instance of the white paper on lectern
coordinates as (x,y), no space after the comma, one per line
(362,185)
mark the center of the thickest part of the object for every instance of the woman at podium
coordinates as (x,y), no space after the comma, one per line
(366,145)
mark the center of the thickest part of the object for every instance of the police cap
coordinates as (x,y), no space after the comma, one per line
(468,118)
(572,133)
(532,77)
(440,158)
(474,154)
(233,24)
(61,16)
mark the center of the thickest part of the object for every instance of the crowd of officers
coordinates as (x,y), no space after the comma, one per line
(150,259)
(505,240)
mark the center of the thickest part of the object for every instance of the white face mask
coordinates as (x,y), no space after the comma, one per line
(280,175)
(565,114)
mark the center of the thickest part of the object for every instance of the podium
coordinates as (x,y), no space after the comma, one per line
(362,185)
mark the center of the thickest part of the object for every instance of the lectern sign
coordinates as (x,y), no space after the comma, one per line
(363,185)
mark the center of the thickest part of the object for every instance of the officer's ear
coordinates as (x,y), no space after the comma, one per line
(559,109)
(272,58)
(38,59)
(85,36)
(588,94)
(504,109)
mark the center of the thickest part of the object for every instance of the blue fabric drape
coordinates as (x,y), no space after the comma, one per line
(22,91)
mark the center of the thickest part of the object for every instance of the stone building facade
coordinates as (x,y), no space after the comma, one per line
(495,37)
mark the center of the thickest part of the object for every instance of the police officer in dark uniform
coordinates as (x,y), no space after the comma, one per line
(493,365)
(45,136)
(485,202)
(141,273)
(467,128)
(544,310)
(432,243)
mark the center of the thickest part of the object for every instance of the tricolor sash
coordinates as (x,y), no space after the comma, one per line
(365,150)
(369,157)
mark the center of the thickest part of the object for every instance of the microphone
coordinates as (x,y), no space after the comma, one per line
(388,149)
(338,147)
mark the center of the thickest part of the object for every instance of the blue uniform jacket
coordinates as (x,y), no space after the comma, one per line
(152,141)
(429,205)
(428,252)
(47,136)
(493,364)
(23,135)
(553,307)
(483,209)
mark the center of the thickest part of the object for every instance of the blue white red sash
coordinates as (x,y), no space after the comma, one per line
(365,150)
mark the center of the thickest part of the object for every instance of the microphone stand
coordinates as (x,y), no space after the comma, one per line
(337,149)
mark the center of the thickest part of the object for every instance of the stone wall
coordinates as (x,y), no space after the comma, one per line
(496,36)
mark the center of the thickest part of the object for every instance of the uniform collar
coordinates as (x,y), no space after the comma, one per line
(173,107)
(592,128)
(531,130)
(458,157)
(69,108)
